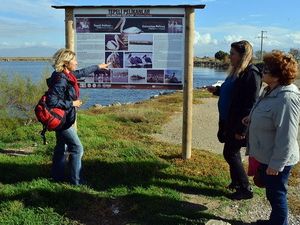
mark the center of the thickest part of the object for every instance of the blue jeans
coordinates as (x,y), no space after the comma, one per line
(276,191)
(67,143)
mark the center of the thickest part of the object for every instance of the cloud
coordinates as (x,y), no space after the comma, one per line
(26,23)
(272,42)
(4,43)
(232,38)
(29,44)
(204,39)
(28,9)
(276,37)
(294,37)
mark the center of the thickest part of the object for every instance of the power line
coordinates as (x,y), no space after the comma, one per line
(262,37)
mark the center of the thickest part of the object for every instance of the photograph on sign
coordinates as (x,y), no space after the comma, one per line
(140,42)
(175,25)
(137,76)
(101,76)
(115,59)
(155,76)
(138,60)
(173,76)
(119,75)
(144,47)
(116,42)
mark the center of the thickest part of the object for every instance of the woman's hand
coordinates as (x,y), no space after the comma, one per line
(239,136)
(104,66)
(246,120)
(211,89)
(77,103)
(271,172)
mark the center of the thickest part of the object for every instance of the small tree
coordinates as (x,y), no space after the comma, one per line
(295,52)
(220,55)
(257,54)
(19,95)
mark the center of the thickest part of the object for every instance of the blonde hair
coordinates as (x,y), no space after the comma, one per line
(61,58)
(244,48)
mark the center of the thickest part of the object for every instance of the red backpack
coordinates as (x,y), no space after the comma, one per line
(52,118)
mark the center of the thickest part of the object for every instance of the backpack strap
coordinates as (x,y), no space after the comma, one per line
(43,134)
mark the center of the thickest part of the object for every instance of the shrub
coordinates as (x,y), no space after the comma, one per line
(19,95)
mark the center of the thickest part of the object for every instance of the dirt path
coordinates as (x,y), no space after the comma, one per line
(205,125)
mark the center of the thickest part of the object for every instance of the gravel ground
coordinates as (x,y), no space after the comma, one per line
(205,125)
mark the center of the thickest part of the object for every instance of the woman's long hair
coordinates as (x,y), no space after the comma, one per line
(244,48)
(61,58)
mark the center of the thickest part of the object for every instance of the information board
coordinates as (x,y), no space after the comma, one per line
(144,46)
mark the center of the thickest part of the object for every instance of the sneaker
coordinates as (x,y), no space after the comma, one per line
(242,193)
(262,222)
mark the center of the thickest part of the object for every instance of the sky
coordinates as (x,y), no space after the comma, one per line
(34,28)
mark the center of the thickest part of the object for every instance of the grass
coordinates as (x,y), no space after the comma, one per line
(132,178)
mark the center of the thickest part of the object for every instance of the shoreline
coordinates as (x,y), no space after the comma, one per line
(25,59)
(208,63)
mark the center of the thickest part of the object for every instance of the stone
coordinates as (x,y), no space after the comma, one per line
(217,222)
(117,104)
(154,96)
(97,106)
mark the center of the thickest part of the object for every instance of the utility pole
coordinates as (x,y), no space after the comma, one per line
(262,37)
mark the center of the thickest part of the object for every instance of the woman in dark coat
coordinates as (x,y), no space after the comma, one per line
(237,95)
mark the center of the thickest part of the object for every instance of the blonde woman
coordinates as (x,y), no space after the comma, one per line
(237,95)
(64,93)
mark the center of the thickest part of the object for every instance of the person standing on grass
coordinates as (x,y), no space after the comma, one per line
(64,93)
(273,130)
(237,95)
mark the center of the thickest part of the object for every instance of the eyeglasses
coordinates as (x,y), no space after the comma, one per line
(266,70)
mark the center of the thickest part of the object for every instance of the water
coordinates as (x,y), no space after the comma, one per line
(34,70)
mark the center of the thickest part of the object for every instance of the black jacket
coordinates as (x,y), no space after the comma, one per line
(61,93)
(245,92)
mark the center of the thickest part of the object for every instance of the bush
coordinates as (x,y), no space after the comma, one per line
(19,95)
(220,55)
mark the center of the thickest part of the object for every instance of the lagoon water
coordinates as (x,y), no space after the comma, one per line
(34,70)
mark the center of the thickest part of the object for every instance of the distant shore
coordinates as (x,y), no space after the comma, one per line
(197,63)
(25,59)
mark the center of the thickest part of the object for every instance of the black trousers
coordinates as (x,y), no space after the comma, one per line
(232,155)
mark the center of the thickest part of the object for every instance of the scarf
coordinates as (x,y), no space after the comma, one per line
(73,81)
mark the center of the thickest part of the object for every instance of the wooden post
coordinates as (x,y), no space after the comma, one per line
(188,84)
(69,33)
(69,28)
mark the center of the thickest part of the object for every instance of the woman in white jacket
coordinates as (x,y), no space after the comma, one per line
(273,129)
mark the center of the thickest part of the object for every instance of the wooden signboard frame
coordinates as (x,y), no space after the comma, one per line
(188,64)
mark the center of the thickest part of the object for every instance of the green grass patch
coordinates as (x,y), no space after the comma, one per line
(132,178)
